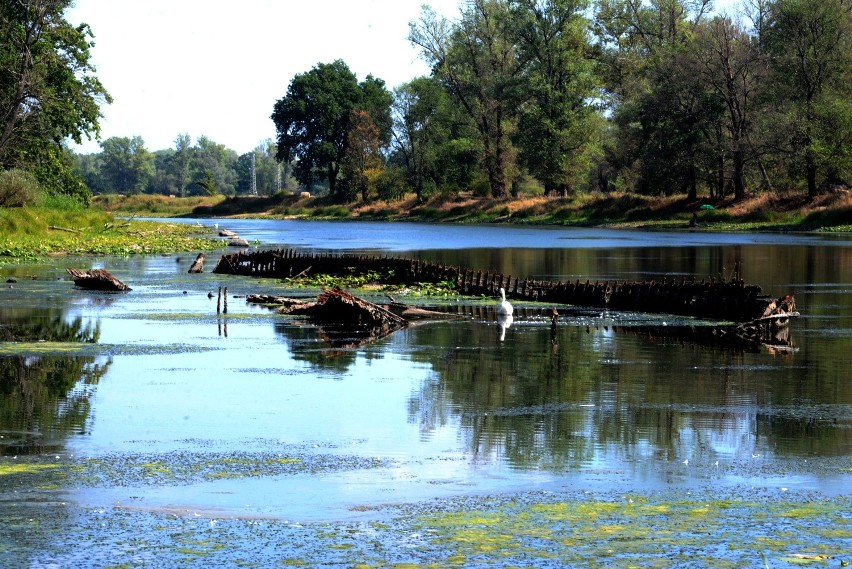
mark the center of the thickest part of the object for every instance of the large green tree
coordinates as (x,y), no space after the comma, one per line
(313,119)
(559,128)
(476,60)
(214,167)
(126,165)
(180,165)
(48,89)
(811,46)
(422,127)
(731,65)
(659,109)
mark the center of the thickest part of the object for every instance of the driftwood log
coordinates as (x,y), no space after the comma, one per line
(347,321)
(97,279)
(198,264)
(338,306)
(287,305)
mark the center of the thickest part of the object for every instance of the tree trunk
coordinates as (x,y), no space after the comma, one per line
(811,173)
(13,113)
(332,180)
(693,184)
(720,177)
(739,175)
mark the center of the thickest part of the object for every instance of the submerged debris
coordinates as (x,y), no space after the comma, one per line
(713,299)
(197,265)
(97,279)
(341,307)
(347,321)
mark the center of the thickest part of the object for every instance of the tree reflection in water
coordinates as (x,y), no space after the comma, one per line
(634,395)
(590,391)
(45,397)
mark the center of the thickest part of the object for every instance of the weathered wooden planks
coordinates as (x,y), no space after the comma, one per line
(96,279)
(717,299)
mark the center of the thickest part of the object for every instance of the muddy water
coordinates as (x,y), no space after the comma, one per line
(151,403)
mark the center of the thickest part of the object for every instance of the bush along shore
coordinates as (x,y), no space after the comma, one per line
(831,211)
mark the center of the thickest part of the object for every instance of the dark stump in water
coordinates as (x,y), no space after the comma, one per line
(97,279)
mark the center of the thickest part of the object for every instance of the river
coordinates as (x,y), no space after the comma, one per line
(152,403)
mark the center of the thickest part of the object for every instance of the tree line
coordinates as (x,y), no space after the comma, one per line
(126,167)
(568,96)
(524,96)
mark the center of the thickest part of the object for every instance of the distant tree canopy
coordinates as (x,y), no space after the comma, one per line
(552,97)
(659,96)
(125,166)
(48,91)
(313,120)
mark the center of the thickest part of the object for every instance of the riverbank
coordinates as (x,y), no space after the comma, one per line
(831,211)
(30,232)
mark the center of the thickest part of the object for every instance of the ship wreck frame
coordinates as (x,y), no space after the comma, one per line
(753,315)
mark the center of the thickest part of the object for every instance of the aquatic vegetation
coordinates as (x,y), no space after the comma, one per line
(727,531)
(182,467)
(335,281)
(528,530)
(371,280)
(29,233)
(15,468)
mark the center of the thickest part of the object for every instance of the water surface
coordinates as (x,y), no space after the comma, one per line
(160,403)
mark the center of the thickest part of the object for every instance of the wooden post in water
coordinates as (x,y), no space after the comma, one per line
(219,302)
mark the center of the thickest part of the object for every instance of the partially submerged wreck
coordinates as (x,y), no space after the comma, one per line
(715,299)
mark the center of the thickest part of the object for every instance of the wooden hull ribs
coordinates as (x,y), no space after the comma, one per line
(715,299)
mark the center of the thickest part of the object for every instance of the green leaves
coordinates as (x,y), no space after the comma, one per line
(48,90)
(313,120)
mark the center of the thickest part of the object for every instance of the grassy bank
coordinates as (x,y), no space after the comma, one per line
(30,232)
(766,212)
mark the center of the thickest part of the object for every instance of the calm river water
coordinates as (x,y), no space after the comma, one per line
(154,402)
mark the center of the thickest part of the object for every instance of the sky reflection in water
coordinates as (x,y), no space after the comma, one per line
(450,407)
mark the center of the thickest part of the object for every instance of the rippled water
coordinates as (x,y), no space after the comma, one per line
(445,408)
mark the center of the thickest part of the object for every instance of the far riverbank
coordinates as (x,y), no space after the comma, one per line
(831,211)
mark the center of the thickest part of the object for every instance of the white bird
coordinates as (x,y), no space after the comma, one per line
(505,308)
(505,322)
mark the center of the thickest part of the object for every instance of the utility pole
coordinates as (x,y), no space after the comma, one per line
(253,173)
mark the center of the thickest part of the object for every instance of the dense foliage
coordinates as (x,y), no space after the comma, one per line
(126,166)
(552,97)
(48,92)
(661,97)
(323,119)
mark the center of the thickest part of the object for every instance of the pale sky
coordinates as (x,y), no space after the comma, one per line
(216,68)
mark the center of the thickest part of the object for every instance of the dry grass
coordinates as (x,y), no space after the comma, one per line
(759,210)
(153,204)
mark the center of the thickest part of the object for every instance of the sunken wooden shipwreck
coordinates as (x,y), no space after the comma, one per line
(715,299)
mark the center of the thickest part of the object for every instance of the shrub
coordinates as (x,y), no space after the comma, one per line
(333,211)
(715,215)
(762,215)
(639,214)
(62,202)
(390,184)
(481,187)
(18,188)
